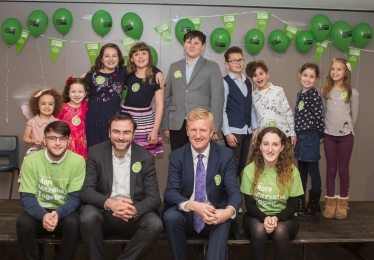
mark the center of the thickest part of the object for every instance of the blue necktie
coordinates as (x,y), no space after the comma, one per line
(200,192)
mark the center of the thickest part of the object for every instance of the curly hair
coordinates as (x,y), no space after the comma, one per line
(34,101)
(310,65)
(65,93)
(99,64)
(252,66)
(346,84)
(284,165)
(131,67)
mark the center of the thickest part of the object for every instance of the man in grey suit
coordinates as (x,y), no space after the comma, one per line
(193,82)
(120,193)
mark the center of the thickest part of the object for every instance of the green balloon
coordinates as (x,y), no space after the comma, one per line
(362,34)
(132,25)
(304,41)
(278,40)
(102,22)
(182,27)
(154,55)
(220,39)
(341,35)
(62,20)
(320,27)
(254,41)
(37,22)
(11,30)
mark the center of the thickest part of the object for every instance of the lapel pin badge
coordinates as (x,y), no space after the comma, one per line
(136,167)
(217,179)
(178,74)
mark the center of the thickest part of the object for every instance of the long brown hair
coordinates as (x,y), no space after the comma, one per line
(99,64)
(283,166)
(326,88)
(131,67)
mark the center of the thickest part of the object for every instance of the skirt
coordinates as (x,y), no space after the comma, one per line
(307,147)
(144,118)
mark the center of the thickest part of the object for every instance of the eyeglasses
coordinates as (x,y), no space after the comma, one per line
(53,139)
(236,61)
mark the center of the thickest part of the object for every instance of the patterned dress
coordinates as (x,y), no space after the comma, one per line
(75,117)
(103,104)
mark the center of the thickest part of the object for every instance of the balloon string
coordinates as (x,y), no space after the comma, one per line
(41,64)
(7,88)
(358,71)
(320,76)
(65,62)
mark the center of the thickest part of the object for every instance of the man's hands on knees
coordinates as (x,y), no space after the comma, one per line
(121,208)
(208,213)
(50,221)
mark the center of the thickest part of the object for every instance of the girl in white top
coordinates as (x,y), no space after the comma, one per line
(270,102)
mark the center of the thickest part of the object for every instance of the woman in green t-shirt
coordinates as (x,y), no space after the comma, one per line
(271,186)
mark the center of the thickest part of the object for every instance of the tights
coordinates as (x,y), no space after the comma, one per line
(281,237)
(313,169)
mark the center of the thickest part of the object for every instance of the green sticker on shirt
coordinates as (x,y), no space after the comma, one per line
(301,105)
(135,87)
(344,95)
(217,179)
(272,124)
(76,121)
(136,167)
(178,74)
(100,80)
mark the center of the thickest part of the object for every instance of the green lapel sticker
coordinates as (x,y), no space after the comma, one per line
(135,87)
(100,80)
(344,95)
(178,74)
(301,105)
(217,179)
(136,167)
(272,124)
(76,121)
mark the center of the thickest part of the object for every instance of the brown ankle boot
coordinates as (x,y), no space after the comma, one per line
(341,208)
(330,207)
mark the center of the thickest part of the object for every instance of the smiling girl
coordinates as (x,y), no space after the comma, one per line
(270,102)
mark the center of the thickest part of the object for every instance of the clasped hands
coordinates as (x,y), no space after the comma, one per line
(270,224)
(50,221)
(208,213)
(121,208)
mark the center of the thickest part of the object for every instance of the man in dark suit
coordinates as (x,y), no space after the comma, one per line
(202,195)
(191,82)
(120,193)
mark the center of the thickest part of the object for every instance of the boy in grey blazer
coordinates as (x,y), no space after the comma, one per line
(193,82)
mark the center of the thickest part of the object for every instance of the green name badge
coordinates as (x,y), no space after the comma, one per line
(178,74)
(136,167)
(217,179)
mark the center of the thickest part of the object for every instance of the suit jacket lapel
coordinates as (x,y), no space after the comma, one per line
(134,159)
(198,66)
(108,164)
(211,169)
(182,68)
(189,169)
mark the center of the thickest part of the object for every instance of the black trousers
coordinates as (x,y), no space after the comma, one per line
(96,223)
(179,138)
(28,228)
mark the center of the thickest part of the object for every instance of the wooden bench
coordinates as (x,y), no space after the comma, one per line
(358,228)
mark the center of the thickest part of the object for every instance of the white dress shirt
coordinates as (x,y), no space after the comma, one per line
(121,176)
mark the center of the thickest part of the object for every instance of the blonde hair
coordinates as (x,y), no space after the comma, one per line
(199,113)
(326,88)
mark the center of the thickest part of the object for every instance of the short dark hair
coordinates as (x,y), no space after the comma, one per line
(195,34)
(233,49)
(312,66)
(122,116)
(59,127)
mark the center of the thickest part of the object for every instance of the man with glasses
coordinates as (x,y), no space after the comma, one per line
(192,82)
(50,185)
(239,116)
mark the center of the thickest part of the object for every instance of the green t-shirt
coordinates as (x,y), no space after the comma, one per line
(268,198)
(51,183)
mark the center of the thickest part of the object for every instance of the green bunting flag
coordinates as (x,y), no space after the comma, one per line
(55,45)
(354,55)
(291,31)
(127,43)
(22,40)
(321,47)
(196,21)
(262,19)
(92,49)
(229,22)
(164,31)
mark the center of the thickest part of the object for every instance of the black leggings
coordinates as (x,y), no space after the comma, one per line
(281,236)
(313,169)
